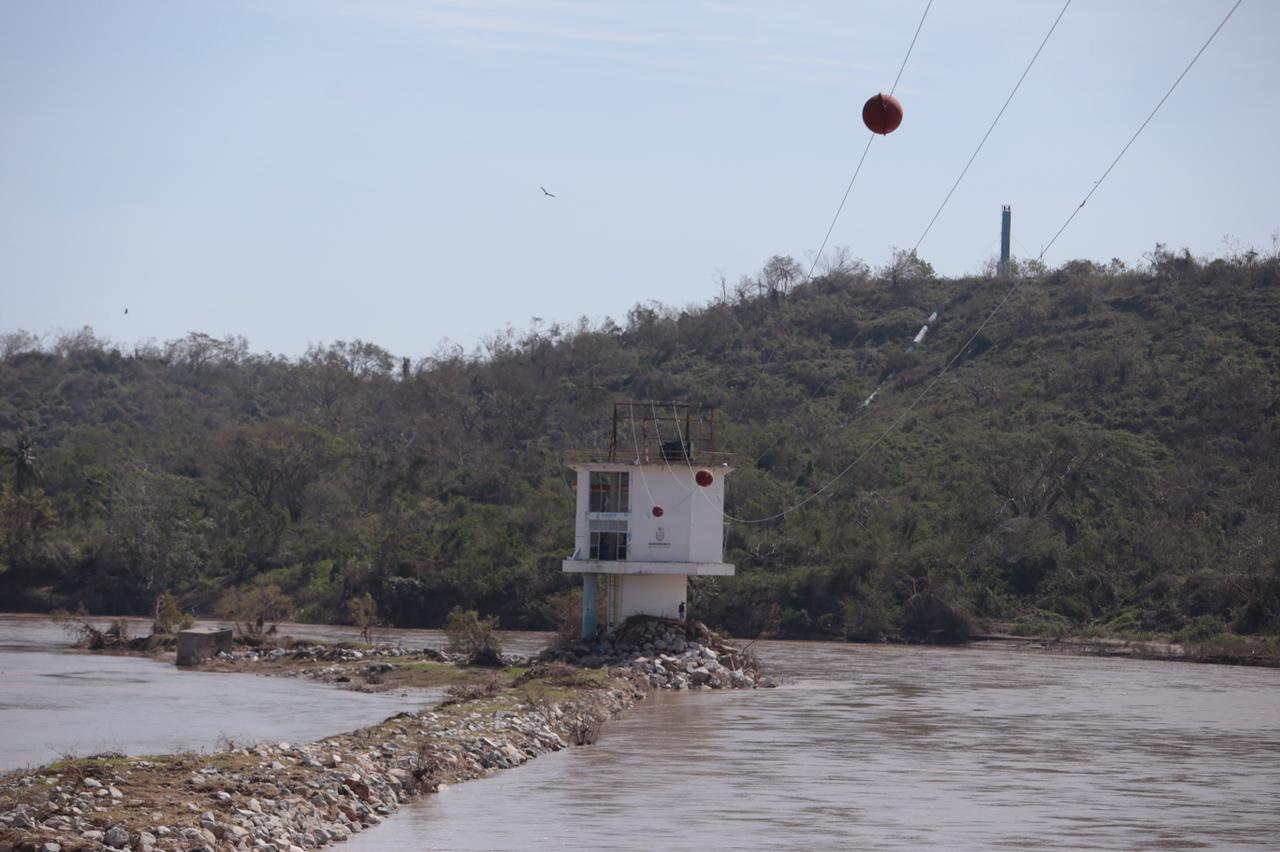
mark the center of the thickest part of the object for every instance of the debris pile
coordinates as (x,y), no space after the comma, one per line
(343,653)
(669,654)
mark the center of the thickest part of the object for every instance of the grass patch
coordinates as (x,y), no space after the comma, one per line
(88,765)
(558,682)
(425,675)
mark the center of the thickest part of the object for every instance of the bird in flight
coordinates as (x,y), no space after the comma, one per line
(548,194)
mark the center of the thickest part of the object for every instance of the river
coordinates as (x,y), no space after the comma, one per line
(863,747)
(55,701)
(869,747)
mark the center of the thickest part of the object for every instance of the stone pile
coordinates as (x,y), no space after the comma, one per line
(669,654)
(339,653)
(331,653)
(281,796)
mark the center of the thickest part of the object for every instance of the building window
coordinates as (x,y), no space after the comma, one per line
(609,546)
(608,540)
(610,492)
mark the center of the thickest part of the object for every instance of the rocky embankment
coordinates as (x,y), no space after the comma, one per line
(669,655)
(285,797)
(288,797)
(310,653)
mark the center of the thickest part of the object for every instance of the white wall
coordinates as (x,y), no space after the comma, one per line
(652,594)
(658,485)
(581,533)
(691,527)
(706,519)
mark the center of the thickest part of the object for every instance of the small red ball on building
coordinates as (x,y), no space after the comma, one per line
(704,478)
(657,511)
(882,114)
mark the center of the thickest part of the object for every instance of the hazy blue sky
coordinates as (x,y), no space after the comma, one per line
(301,172)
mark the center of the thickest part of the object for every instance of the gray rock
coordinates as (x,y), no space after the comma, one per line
(116,836)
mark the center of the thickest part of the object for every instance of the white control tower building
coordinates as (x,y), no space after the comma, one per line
(650,514)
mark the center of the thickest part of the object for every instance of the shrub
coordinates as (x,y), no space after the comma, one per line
(1201,629)
(564,611)
(929,617)
(167,615)
(585,731)
(363,613)
(473,636)
(256,610)
(870,616)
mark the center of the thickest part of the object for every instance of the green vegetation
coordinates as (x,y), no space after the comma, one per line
(363,613)
(474,636)
(1103,457)
(256,608)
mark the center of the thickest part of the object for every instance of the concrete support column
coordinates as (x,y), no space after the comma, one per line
(589,584)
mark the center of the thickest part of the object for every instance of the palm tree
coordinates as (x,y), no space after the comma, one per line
(23,457)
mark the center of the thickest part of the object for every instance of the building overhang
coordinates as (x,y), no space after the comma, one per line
(680,467)
(691,569)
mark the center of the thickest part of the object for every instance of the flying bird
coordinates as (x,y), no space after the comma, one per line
(548,194)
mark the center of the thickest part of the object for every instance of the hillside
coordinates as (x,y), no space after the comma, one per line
(1105,455)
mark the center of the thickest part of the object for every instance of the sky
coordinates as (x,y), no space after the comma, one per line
(305,171)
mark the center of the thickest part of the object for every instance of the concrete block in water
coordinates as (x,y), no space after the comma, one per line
(201,643)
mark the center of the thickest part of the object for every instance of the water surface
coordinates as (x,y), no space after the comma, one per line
(55,701)
(899,748)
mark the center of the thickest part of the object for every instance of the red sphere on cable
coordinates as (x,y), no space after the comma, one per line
(882,114)
(704,478)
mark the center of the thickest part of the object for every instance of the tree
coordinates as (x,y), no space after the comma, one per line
(257,609)
(275,461)
(907,266)
(474,636)
(779,275)
(25,520)
(156,537)
(363,613)
(22,456)
(168,617)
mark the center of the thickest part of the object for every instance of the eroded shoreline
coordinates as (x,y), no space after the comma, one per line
(305,796)
(284,796)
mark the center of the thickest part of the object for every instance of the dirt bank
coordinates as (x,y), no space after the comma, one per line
(1238,651)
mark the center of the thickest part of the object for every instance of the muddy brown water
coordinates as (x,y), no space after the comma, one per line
(55,701)
(861,748)
(899,748)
